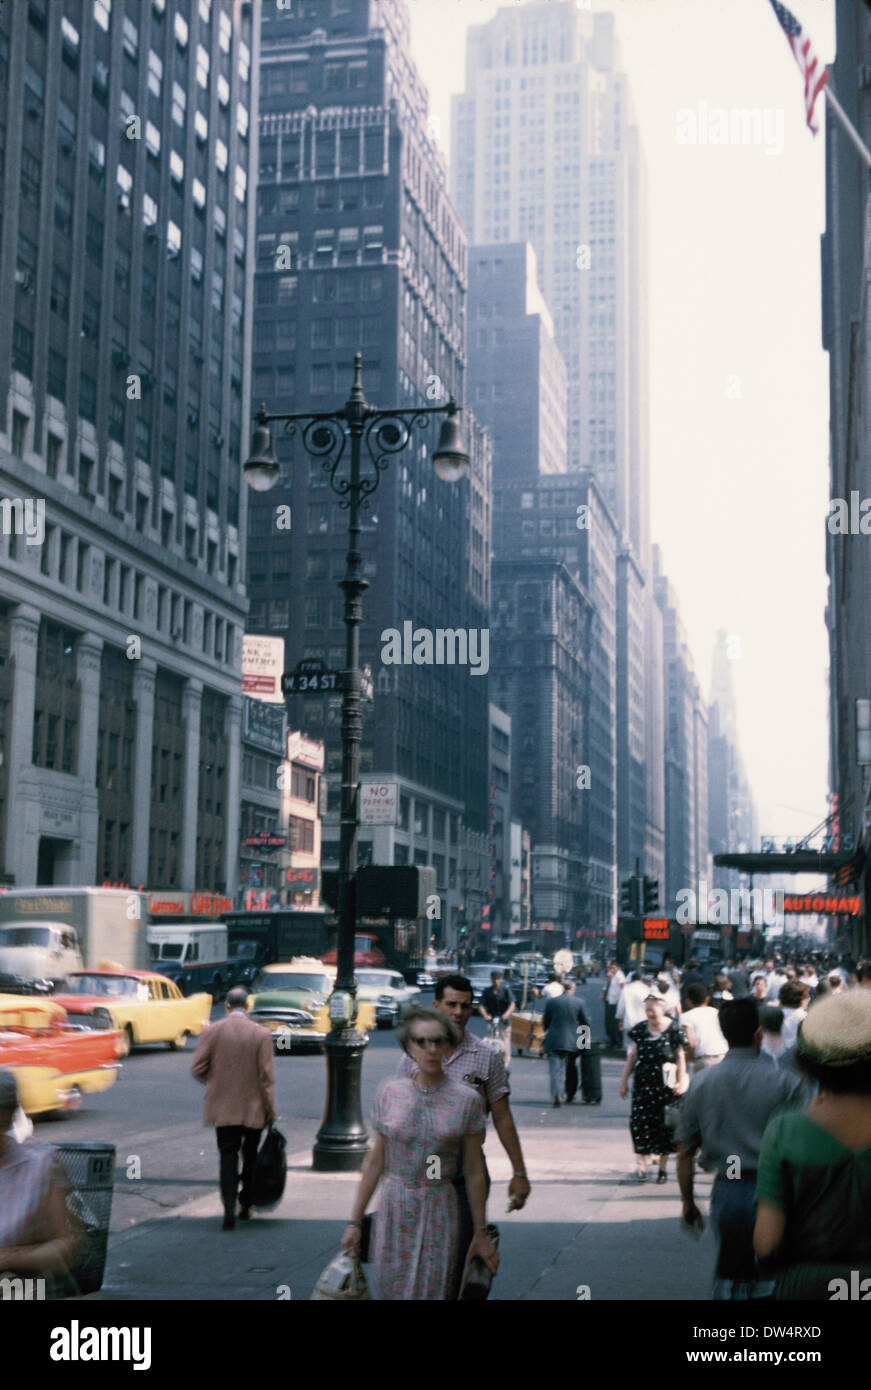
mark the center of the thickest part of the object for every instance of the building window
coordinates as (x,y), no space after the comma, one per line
(131,39)
(103,14)
(31,177)
(63,209)
(155,73)
(22,349)
(179,103)
(202,66)
(19,433)
(87,398)
(69,44)
(116,419)
(56,702)
(57,375)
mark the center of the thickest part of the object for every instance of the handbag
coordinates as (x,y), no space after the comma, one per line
(343,1279)
(477,1278)
(270,1170)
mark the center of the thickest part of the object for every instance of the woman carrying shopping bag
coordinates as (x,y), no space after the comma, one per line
(425,1126)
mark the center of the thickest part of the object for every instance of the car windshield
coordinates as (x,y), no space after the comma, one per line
(171,950)
(110,986)
(245,950)
(272,980)
(376,978)
(25,936)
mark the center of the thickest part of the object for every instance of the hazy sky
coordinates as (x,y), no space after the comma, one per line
(738,377)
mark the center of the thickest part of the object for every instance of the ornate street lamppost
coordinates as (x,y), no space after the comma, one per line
(342,1140)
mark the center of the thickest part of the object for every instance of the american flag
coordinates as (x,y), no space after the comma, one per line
(813,70)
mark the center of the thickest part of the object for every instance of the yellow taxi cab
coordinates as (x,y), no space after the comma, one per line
(292,1001)
(144,1006)
(54,1063)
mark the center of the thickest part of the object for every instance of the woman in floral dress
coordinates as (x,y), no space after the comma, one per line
(427,1128)
(653,1043)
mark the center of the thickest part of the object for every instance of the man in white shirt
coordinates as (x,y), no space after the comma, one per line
(630,1006)
(702,1023)
(775,979)
(611,995)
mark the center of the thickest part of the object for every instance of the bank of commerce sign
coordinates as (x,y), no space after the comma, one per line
(263,667)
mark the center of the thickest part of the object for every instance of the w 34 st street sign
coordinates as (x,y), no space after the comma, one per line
(311,677)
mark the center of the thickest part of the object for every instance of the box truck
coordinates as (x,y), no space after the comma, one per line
(47,932)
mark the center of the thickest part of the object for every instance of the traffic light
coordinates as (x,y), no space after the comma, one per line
(629,897)
(651,895)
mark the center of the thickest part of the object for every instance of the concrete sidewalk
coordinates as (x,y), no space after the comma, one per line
(586,1225)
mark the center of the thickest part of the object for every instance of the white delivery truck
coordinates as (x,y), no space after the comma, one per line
(193,954)
(47,932)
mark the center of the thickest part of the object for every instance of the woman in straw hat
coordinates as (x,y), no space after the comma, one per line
(814,1182)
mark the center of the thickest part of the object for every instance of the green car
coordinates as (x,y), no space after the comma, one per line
(292,1001)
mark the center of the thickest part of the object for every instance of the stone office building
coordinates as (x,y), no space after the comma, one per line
(126,135)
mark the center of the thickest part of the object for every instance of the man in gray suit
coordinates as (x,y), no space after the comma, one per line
(235,1062)
(562,1018)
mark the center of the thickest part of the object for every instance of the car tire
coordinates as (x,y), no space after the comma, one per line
(126,1040)
(179,1043)
(73,1101)
(217,988)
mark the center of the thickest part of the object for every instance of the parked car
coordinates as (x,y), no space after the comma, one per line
(54,1063)
(291,1000)
(388,991)
(145,1006)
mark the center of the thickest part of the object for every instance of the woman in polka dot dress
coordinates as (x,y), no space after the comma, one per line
(655,1042)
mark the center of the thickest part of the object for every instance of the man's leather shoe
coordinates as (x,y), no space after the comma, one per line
(245,1214)
(229,1223)
(556,1101)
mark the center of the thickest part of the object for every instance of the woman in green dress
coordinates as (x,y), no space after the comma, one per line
(813,1186)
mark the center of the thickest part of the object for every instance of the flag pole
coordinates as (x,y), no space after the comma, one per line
(847,124)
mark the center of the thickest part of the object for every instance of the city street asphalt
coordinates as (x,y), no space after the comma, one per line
(588,1231)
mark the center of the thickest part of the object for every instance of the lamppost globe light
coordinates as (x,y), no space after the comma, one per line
(261,468)
(450,460)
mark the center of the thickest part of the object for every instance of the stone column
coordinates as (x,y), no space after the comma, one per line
(144,679)
(233,736)
(89,651)
(22,820)
(191,705)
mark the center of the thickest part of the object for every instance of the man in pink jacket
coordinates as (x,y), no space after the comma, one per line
(234,1060)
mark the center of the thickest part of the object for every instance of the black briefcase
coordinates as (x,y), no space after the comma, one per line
(270,1170)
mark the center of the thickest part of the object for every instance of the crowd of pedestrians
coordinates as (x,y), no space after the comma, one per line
(757,1073)
(761,1077)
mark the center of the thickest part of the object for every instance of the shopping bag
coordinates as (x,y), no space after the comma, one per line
(270,1170)
(342,1279)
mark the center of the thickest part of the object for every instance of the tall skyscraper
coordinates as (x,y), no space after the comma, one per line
(687,851)
(846,255)
(731,812)
(126,131)
(359,248)
(564,519)
(546,150)
(516,377)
